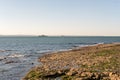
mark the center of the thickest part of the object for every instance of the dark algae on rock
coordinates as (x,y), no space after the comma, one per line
(98,62)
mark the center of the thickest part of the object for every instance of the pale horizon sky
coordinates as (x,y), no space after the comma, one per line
(60,17)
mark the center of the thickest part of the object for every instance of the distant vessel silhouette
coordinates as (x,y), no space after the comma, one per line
(42,36)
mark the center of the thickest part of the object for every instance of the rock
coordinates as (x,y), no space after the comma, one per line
(8,62)
(88,63)
(2,58)
(114,76)
(83,74)
(110,74)
(60,72)
(71,72)
(32,63)
(79,79)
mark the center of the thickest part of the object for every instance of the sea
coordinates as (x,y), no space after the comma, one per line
(18,54)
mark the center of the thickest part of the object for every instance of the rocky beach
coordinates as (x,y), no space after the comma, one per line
(97,62)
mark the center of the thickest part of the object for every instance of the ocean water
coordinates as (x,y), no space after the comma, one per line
(19,54)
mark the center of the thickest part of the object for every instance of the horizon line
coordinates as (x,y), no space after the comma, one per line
(65,35)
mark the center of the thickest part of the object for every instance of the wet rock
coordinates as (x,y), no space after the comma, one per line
(2,58)
(9,62)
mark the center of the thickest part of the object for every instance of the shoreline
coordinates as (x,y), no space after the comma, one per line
(74,63)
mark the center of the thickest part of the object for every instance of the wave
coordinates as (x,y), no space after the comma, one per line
(87,44)
(16,55)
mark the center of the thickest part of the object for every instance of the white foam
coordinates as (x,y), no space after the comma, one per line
(101,43)
(15,55)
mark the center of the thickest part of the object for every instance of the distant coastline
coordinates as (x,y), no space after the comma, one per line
(53,36)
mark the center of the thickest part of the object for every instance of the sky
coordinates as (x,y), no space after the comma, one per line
(60,17)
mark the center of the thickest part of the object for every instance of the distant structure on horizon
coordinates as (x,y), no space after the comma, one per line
(42,36)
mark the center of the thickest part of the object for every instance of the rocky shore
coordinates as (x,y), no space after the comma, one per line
(98,62)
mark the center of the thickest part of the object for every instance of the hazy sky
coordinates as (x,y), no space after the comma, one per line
(60,17)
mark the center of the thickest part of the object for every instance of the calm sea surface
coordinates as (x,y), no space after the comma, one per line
(19,54)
